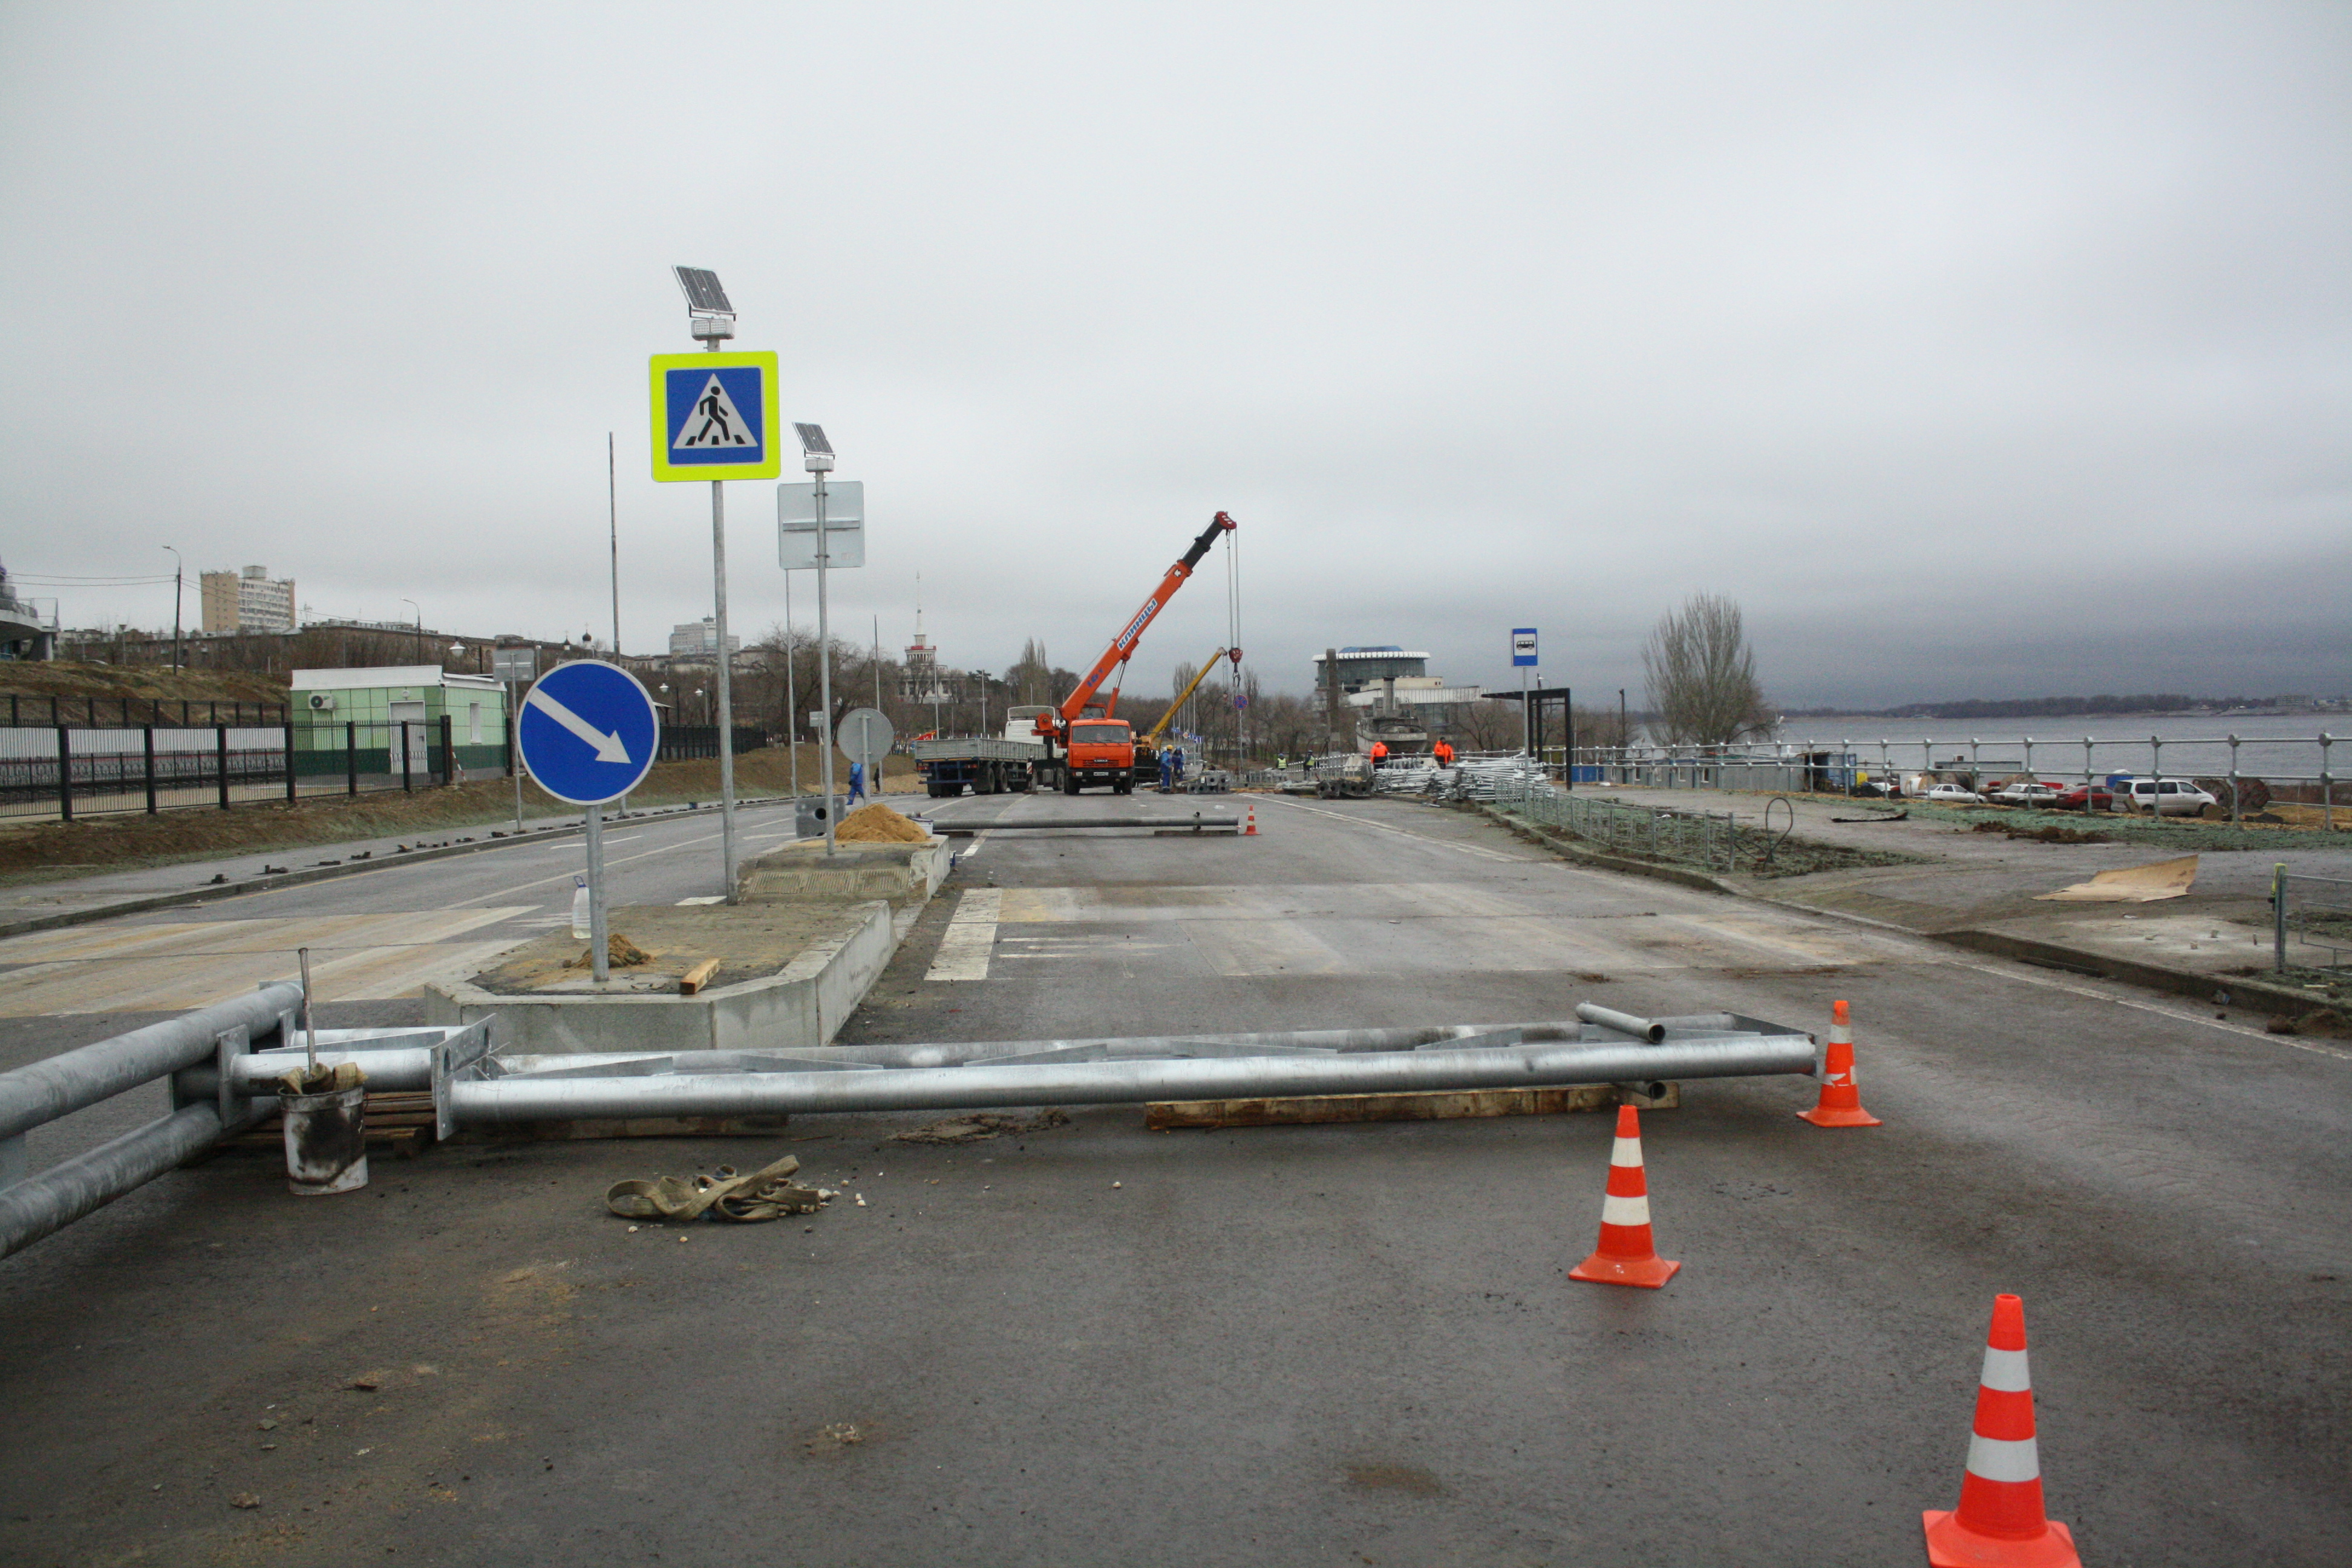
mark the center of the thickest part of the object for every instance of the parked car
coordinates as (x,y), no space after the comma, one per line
(2164,797)
(2072,800)
(2029,791)
(1954,794)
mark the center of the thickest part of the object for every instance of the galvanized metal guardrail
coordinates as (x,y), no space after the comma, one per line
(220,1081)
(221,1061)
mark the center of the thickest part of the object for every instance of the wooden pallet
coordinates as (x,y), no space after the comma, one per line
(401,1118)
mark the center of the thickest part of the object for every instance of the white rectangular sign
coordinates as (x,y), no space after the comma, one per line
(845,525)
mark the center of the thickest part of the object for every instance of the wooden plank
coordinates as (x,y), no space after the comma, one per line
(695,979)
(1170,1115)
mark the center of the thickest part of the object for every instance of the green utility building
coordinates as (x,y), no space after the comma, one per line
(355,721)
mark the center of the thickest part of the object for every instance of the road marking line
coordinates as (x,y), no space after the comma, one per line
(970,937)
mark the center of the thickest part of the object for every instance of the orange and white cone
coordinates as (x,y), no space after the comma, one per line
(1841,1104)
(2000,1522)
(1626,1255)
(1249,829)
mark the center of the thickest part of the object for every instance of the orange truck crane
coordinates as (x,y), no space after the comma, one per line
(1098,749)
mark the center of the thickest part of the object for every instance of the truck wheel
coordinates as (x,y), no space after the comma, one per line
(1069,782)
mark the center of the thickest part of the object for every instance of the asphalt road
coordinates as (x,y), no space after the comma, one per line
(1338,1344)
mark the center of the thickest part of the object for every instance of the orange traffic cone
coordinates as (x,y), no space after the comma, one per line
(1626,1255)
(1249,829)
(2000,1522)
(1840,1103)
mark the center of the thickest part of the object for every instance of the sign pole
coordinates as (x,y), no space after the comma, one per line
(726,688)
(823,666)
(791,698)
(600,957)
(514,750)
(1525,731)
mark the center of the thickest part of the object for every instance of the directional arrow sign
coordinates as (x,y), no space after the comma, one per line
(588,733)
(609,748)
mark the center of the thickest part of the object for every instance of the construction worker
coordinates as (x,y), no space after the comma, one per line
(857,781)
(1167,770)
(1380,753)
(1443,750)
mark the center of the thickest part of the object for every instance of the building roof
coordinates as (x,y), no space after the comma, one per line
(1381,653)
(386,674)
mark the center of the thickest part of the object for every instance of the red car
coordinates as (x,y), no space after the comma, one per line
(2101,800)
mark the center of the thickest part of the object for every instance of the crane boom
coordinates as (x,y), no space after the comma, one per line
(1122,647)
(1151,736)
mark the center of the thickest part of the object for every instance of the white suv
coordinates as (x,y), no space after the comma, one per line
(2164,797)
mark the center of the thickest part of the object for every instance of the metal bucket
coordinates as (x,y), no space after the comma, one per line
(326,1141)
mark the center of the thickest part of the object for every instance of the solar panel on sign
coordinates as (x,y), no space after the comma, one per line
(813,439)
(702,291)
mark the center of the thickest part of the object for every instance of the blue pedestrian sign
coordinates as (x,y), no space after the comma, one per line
(588,732)
(1523,645)
(715,416)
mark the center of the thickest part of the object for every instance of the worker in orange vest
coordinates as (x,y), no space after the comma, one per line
(1445,753)
(1380,753)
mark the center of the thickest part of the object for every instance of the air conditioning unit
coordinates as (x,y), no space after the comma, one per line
(323,703)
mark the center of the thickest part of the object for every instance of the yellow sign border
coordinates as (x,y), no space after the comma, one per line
(770,416)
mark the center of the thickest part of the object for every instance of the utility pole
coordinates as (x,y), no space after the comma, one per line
(179,569)
(420,627)
(1331,697)
(613,504)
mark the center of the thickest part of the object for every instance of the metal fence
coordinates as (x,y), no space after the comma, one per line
(136,713)
(73,771)
(2311,922)
(2247,774)
(1708,838)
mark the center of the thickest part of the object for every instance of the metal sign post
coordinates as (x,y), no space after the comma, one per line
(715,418)
(588,732)
(816,457)
(1523,655)
(515,668)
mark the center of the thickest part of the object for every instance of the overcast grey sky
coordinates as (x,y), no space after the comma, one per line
(1976,350)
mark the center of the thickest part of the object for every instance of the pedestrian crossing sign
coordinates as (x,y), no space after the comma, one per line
(715,416)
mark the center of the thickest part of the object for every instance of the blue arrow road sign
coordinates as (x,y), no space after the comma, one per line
(588,733)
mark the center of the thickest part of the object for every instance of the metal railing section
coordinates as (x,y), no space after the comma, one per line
(1708,838)
(2311,922)
(222,1062)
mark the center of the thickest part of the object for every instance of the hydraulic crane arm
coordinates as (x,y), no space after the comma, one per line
(1151,736)
(1122,647)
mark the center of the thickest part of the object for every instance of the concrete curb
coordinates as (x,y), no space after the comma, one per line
(2243,991)
(211,890)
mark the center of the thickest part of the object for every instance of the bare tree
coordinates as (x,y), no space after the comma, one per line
(1488,725)
(1702,675)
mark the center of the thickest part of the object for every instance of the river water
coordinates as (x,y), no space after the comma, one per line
(2283,747)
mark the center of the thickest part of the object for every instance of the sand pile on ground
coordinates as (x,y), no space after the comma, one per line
(877,824)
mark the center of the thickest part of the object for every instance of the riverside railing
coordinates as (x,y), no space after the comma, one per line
(2293,770)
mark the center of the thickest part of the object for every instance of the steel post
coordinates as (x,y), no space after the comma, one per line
(2278,917)
(599,958)
(1113,1082)
(725,683)
(823,663)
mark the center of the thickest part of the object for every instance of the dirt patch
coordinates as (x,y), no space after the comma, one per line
(1409,1479)
(751,943)
(877,824)
(2325,1021)
(972,1129)
(2052,834)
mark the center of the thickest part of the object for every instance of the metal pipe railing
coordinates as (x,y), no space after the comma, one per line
(42,1205)
(526,1097)
(72,1080)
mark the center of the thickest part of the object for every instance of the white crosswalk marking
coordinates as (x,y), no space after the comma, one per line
(970,937)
